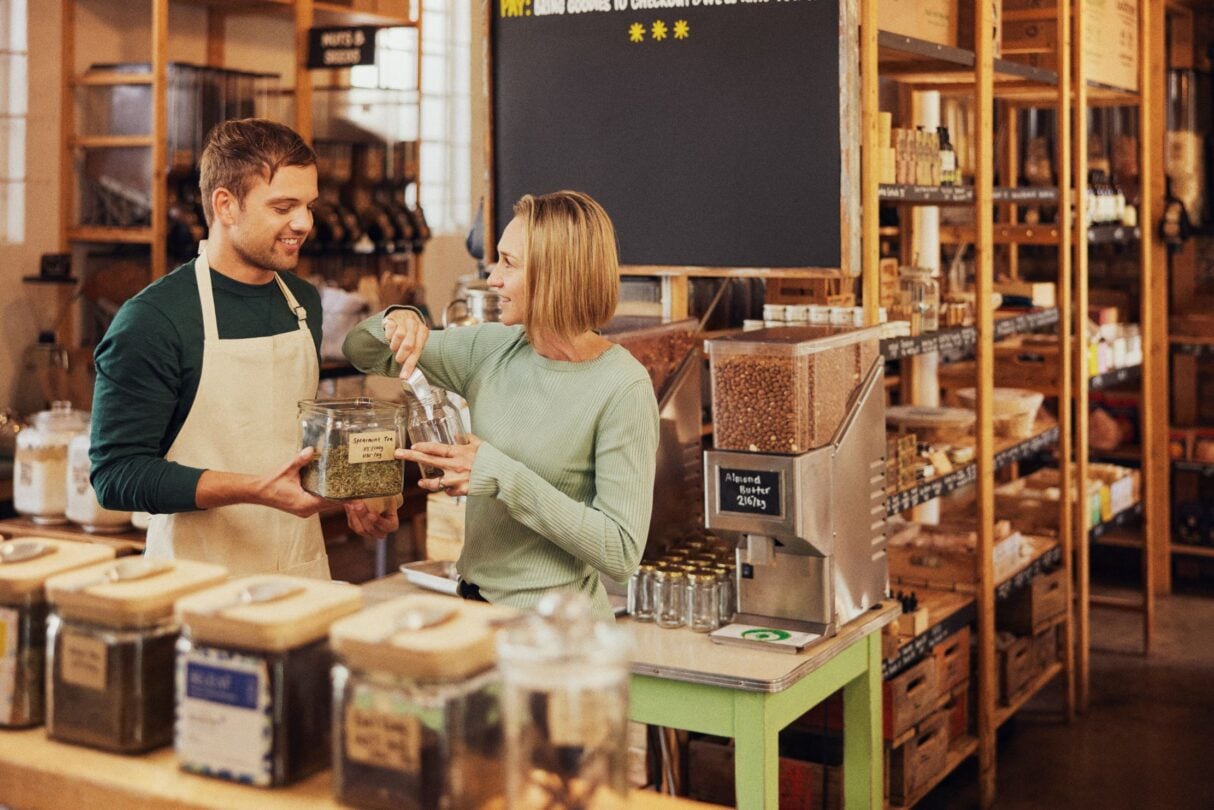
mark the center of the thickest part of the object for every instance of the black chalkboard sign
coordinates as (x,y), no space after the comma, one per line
(708,129)
(341,47)
(749,492)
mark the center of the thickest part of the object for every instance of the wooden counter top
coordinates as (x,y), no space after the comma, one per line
(128,542)
(36,773)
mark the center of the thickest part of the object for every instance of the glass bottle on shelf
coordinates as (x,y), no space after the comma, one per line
(948,159)
(920,292)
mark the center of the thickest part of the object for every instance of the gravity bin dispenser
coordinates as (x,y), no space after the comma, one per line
(798,473)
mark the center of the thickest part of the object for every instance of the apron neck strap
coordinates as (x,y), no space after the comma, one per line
(206,296)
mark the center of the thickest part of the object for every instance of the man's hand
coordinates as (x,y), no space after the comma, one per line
(406,334)
(375,517)
(280,490)
(455,460)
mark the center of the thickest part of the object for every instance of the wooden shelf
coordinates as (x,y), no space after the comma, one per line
(1045,234)
(964,338)
(671,271)
(1117,521)
(101,233)
(1205,468)
(958,751)
(1192,346)
(1189,550)
(112,141)
(1004,713)
(928,65)
(1118,376)
(947,611)
(111,78)
(962,195)
(334,14)
(1113,235)
(1046,556)
(66,281)
(964,476)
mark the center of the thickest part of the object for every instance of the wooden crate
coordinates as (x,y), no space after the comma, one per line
(823,291)
(958,708)
(950,568)
(1017,665)
(923,756)
(1047,646)
(710,778)
(932,20)
(1028,364)
(953,660)
(1031,608)
(909,697)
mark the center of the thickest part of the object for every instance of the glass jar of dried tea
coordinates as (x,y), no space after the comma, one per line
(355,442)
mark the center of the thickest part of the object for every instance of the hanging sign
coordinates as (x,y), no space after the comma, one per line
(341,47)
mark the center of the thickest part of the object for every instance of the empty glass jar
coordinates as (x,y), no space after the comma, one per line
(640,593)
(670,598)
(565,707)
(920,293)
(703,603)
(434,419)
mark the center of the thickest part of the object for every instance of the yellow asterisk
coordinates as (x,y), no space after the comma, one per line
(659,30)
(681,29)
(636,32)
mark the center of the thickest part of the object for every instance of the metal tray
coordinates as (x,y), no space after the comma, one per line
(433,575)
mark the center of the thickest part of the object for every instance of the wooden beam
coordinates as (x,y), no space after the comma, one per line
(67,123)
(851,132)
(305,15)
(160,137)
(984,183)
(1080,398)
(871,157)
(217,21)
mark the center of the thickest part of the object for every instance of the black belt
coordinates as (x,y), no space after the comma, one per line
(469,591)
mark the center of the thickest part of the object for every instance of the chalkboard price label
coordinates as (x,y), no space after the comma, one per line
(749,492)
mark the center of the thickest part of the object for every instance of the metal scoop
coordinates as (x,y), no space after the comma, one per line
(417,385)
(270,590)
(419,618)
(126,570)
(23,551)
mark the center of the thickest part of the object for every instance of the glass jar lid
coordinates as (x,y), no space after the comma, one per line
(61,419)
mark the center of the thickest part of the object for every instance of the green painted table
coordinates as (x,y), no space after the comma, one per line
(682,680)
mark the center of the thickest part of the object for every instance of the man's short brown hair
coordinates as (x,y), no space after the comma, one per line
(238,151)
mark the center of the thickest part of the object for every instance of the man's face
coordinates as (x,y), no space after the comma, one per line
(276,217)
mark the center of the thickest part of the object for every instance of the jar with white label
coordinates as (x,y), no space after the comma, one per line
(25,565)
(565,706)
(416,717)
(82,505)
(355,442)
(40,474)
(253,692)
(111,651)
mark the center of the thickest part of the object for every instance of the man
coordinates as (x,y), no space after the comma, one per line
(199,376)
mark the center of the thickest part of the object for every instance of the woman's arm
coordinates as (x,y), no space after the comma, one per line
(609,533)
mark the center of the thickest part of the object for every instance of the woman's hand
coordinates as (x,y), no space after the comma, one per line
(374,517)
(406,333)
(455,460)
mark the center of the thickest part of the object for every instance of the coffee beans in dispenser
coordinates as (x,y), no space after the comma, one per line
(416,719)
(25,566)
(253,691)
(111,641)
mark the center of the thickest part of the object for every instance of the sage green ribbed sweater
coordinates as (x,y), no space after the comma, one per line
(562,487)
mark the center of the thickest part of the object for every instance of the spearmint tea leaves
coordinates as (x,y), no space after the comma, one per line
(355,441)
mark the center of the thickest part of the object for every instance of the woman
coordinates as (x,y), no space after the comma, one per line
(559,472)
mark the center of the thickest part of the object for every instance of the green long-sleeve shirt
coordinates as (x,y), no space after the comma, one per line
(148,367)
(562,487)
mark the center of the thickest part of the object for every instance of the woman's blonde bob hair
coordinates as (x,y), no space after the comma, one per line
(570,262)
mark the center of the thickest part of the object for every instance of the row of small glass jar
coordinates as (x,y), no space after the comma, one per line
(700,597)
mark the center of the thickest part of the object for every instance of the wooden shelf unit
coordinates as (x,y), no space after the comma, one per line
(920,67)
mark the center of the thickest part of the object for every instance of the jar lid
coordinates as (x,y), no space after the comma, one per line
(357,406)
(27,562)
(701,577)
(267,612)
(61,419)
(667,573)
(422,636)
(562,632)
(130,592)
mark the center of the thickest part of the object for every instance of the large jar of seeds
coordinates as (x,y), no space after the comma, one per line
(82,505)
(40,478)
(111,643)
(416,718)
(565,703)
(786,390)
(25,565)
(355,441)
(253,691)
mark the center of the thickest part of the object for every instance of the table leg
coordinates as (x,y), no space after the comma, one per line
(862,779)
(756,753)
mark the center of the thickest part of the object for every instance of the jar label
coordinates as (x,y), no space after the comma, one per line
(372,445)
(84,661)
(8,663)
(381,731)
(224,725)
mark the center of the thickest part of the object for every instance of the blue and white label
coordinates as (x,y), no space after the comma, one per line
(224,727)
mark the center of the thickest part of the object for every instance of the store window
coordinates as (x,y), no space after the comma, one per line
(446,104)
(14,108)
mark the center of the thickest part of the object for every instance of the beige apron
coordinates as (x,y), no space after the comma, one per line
(243,420)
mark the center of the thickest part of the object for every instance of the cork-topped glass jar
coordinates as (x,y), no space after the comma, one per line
(416,719)
(253,691)
(25,566)
(40,475)
(355,441)
(786,390)
(111,649)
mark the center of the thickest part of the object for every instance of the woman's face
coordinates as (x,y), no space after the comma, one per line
(508,278)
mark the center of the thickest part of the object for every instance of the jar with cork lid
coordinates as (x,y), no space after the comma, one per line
(253,691)
(111,651)
(416,715)
(25,565)
(40,475)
